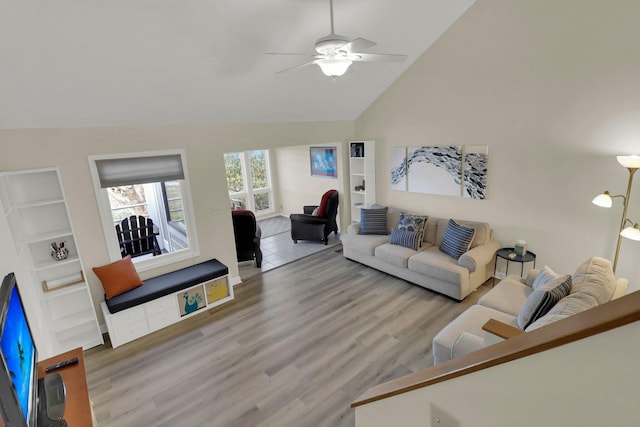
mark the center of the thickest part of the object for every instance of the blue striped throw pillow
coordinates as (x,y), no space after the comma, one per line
(373,221)
(406,238)
(457,239)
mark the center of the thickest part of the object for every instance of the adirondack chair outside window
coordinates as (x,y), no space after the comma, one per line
(137,237)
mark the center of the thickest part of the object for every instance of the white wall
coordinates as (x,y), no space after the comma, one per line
(552,87)
(68,149)
(588,383)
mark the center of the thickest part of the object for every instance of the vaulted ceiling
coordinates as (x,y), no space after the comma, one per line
(78,63)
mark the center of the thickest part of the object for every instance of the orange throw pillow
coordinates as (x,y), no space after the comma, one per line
(118,277)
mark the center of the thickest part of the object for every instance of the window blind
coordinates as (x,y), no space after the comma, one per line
(139,170)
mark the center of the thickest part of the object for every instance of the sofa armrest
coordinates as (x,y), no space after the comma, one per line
(354,228)
(480,255)
(466,343)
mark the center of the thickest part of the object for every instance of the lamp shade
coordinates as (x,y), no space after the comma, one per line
(629,161)
(603,200)
(631,232)
(334,67)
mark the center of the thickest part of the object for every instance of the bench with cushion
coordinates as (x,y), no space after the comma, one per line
(159,301)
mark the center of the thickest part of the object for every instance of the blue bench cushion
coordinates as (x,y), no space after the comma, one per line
(166,284)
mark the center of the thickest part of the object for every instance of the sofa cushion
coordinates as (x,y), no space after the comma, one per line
(406,238)
(541,300)
(364,243)
(546,275)
(415,223)
(393,216)
(595,277)
(507,296)
(435,263)
(568,306)
(394,254)
(457,239)
(373,221)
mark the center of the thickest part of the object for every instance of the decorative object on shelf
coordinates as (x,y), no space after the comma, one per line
(64,282)
(605,200)
(520,248)
(324,162)
(58,251)
(359,187)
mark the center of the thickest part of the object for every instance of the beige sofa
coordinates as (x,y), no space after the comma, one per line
(428,266)
(511,301)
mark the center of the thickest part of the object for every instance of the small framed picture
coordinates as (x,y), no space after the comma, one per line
(324,162)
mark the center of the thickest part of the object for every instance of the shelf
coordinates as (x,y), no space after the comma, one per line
(357,174)
(40,203)
(65,291)
(49,235)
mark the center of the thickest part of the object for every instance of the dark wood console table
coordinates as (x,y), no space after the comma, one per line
(77,410)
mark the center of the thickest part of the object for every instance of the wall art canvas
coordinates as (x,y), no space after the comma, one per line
(475,171)
(435,170)
(399,168)
(191,300)
(324,161)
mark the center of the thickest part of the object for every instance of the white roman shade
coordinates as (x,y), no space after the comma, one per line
(139,170)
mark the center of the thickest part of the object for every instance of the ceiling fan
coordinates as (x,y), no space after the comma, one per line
(335,53)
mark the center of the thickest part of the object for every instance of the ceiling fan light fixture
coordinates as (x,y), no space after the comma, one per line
(334,67)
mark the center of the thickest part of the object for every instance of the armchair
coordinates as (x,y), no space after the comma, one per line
(307,226)
(247,234)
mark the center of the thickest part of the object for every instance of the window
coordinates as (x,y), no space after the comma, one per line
(152,186)
(249,181)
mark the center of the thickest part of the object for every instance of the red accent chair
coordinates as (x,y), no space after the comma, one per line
(247,234)
(306,226)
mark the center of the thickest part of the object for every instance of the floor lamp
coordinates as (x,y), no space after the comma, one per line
(605,200)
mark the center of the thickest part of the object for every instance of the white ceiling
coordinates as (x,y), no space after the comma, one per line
(79,63)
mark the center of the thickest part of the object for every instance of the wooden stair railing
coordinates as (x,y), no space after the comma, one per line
(591,322)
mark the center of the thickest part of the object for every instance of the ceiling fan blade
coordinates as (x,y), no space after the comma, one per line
(356,45)
(286,53)
(296,66)
(379,57)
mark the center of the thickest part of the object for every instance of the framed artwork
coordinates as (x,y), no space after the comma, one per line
(191,300)
(324,162)
(216,289)
(475,171)
(399,168)
(435,170)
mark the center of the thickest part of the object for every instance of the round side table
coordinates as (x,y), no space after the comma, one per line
(509,255)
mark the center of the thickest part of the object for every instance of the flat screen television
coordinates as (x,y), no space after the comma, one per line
(19,360)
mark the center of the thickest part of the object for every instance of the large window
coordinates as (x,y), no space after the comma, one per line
(144,206)
(249,181)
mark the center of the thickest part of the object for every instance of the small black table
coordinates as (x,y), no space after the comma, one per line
(505,253)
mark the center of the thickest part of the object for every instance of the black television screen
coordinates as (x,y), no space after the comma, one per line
(19,357)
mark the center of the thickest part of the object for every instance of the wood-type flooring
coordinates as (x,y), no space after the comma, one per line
(297,345)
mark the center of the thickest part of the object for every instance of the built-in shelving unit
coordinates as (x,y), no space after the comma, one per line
(34,205)
(362,176)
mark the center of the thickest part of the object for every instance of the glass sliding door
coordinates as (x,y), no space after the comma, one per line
(249,181)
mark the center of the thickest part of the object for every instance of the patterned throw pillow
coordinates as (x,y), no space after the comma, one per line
(416,223)
(373,221)
(406,238)
(541,300)
(457,239)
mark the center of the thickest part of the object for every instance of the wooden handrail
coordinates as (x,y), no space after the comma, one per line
(591,322)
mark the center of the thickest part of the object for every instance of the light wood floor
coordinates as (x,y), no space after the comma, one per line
(295,348)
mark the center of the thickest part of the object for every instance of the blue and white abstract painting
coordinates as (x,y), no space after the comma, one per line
(475,171)
(399,168)
(435,170)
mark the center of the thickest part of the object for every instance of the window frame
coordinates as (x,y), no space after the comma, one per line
(248,192)
(106,218)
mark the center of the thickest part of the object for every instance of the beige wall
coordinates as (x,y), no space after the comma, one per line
(68,150)
(552,87)
(296,186)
